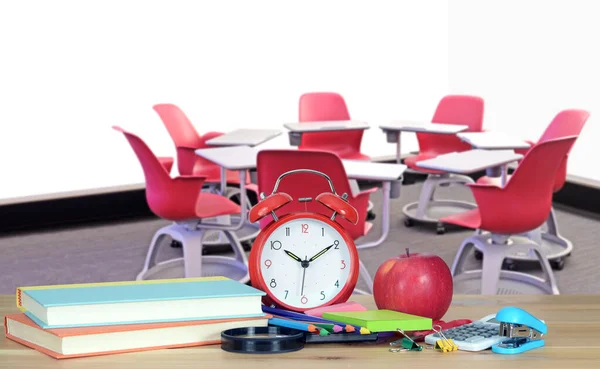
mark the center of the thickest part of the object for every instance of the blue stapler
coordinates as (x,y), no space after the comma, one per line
(523,331)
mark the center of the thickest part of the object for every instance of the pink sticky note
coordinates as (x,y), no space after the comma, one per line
(344,307)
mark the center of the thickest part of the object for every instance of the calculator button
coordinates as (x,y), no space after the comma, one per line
(474,339)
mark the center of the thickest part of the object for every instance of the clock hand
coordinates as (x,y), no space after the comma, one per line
(320,253)
(291,254)
(303,275)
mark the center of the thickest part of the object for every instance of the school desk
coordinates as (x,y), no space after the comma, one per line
(244,136)
(243,158)
(490,140)
(394,129)
(240,137)
(573,341)
(494,162)
(297,129)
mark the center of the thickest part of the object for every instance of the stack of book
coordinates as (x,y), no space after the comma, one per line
(79,320)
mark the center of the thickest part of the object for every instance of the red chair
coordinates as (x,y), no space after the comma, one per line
(503,213)
(272,163)
(566,123)
(181,200)
(329,106)
(167,163)
(187,141)
(452,109)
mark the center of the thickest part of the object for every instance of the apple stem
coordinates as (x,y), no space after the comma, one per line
(407,253)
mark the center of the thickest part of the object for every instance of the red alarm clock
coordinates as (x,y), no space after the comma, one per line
(304,260)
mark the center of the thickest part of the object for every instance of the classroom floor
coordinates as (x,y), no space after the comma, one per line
(114,252)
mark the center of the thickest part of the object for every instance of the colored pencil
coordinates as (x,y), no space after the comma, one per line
(331,328)
(304,317)
(297,325)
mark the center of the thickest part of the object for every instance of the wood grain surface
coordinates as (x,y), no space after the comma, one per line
(573,341)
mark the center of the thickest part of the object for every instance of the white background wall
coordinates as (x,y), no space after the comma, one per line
(70,70)
(530,59)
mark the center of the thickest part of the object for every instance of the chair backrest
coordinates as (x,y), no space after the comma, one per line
(184,136)
(180,128)
(326,106)
(528,195)
(272,163)
(161,195)
(453,109)
(568,122)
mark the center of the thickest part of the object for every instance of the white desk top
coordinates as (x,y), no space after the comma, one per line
(366,170)
(471,161)
(492,141)
(324,126)
(231,157)
(244,158)
(425,127)
(248,137)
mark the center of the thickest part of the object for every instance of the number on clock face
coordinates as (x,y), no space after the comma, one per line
(305,263)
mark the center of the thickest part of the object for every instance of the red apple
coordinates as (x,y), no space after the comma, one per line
(418,284)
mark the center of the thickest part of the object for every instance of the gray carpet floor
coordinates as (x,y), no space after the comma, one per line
(116,252)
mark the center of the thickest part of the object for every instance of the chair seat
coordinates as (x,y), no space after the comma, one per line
(343,151)
(411,162)
(212,205)
(467,219)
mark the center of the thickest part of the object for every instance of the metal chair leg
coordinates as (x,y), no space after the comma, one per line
(192,253)
(153,250)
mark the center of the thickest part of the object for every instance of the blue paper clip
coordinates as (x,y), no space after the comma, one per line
(523,330)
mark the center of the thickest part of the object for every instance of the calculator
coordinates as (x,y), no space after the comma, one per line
(477,336)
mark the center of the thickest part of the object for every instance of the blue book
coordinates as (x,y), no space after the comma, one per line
(137,302)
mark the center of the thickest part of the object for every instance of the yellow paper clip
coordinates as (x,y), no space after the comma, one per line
(444,344)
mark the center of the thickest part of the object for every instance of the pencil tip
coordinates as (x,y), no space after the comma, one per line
(337,329)
(364,331)
(350,328)
(323,332)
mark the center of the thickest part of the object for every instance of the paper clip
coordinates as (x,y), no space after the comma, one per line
(406,344)
(444,344)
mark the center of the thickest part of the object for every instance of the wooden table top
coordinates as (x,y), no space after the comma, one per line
(573,341)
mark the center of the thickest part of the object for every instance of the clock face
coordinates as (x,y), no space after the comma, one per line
(305,263)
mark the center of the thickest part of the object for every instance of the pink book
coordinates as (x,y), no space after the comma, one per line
(62,343)
(344,307)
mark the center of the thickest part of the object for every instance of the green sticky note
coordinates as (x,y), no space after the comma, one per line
(381,320)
